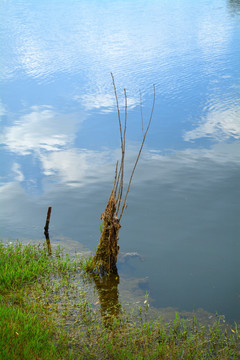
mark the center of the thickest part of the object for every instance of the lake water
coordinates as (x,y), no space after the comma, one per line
(60,140)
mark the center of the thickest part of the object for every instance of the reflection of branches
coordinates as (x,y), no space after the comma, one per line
(105,260)
(107,288)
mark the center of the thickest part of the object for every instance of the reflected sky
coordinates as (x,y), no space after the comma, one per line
(59,134)
(42,129)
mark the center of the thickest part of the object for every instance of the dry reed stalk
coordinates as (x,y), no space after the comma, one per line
(105,260)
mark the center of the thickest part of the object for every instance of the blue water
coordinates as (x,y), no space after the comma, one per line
(60,141)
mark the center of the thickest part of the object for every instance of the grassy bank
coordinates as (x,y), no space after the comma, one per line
(45,314)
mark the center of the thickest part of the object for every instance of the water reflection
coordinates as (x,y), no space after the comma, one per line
(105,102)
(50,137)
(234,7)
(182,217)
(42,129)
(221,122)
(108,295)
(43,46)
(60,141)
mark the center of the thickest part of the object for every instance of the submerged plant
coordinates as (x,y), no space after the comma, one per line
(104,261)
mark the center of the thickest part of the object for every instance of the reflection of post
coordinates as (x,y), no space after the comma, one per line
(107,288)
(46,233)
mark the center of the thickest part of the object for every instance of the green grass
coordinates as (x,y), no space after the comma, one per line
(23,336)
(45,313)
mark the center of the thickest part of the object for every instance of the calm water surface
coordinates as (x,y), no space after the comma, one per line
(59,135)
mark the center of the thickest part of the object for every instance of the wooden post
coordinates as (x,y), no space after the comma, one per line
(46,233)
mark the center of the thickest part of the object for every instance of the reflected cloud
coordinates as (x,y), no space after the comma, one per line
(16,168)
(43,45)
(41,129)
(32,55)
(76,167)
(105,102)
(87,42)
(219,153)
(79,167)
(212,36)
(220,124)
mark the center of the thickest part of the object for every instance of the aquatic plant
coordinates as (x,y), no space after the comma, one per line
(104,261)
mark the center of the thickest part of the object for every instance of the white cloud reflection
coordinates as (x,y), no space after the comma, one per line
(105,102)
(139,42)
(41,129)
(212,36)
(16,168)
(77,167)
(80,167)
(220,124)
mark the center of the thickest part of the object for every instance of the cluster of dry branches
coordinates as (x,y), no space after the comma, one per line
(105,260)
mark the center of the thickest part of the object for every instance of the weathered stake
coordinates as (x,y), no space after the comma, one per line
(46,233)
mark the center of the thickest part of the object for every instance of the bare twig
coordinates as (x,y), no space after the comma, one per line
(115,179)
(141,111)
(139,153)
(120,190)
(118,109)
(122,143)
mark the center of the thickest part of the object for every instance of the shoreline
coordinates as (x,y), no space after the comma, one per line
(56,291)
